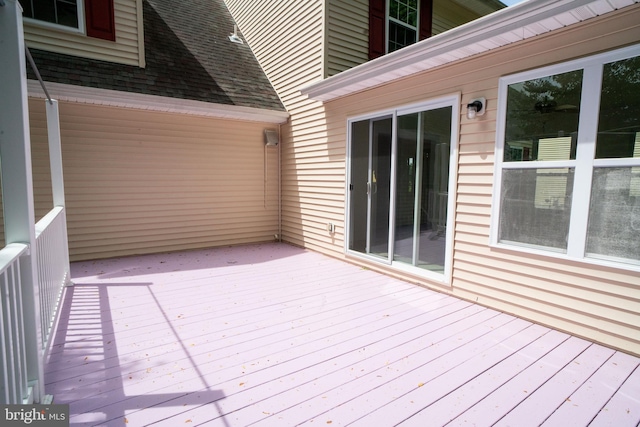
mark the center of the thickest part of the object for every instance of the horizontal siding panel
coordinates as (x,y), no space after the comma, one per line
(563,319)
(469,227)
(288,41)
(590,312)
(479,221)
(347,35)
(474,178)
(605,276)
(158,181)
(125,50)
(556,280)
(478,209)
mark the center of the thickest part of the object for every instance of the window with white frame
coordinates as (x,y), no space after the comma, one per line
(568,159)
(60,12)
(95,18)
(403,24)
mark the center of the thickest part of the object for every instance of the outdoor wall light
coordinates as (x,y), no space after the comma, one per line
(475,108)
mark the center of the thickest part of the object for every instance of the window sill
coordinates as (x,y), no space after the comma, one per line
(56,27)
(601,261)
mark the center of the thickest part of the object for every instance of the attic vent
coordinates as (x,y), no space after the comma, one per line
(234,37)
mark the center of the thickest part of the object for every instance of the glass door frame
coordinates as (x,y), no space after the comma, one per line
(452,101)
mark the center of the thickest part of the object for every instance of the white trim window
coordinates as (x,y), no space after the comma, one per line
(59,13)
(402,23)
(94,18)
(567,178)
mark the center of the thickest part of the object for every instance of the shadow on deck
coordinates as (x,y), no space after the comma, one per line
(275,335)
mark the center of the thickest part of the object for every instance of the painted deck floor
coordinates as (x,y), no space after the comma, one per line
(273,335)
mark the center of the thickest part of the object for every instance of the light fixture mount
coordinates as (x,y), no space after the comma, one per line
(476,107)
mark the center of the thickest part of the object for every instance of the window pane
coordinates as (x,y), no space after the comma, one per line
(358,194)
(44,10)
(63,12)
(405,11)
(67,13)
(394,9)
(434,188)
(400,36)
(536,207)
(27,11)
(406,166)
(614,214)
(542,118)
(422,188)
(380,187)
(619,120)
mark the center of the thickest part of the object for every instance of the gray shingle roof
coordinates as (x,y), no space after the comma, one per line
(188,56)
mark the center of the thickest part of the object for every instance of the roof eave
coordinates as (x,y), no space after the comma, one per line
(113,98)
(490,32)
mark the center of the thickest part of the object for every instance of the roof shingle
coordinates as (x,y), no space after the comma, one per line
(188,56)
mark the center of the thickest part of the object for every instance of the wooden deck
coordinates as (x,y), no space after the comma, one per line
(273,335)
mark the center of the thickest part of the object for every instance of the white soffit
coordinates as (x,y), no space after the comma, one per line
(501,28)
(114,98)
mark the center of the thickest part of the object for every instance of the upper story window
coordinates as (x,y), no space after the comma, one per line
(568,159)
(61,12)
(394,24)
(402,24)
(98,22)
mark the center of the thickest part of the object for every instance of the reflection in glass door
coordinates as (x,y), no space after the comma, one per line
(380,187)
(399,187)
(370,186)
(422,165)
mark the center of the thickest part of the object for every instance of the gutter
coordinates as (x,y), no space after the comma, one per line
(114,98)
(506,26)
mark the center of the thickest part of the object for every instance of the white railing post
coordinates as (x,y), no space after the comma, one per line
(17,181)
(57,178)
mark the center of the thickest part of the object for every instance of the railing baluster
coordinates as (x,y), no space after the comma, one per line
(53,270)
(20,350)
(14,373)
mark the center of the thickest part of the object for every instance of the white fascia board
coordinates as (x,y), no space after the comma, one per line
(489,32)
(114,98)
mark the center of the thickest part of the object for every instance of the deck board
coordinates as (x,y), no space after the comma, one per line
(275,335)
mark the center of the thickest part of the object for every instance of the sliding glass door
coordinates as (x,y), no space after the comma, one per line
(398,198)
(370,187)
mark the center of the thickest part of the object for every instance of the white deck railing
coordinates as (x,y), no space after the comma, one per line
(14,387)
(53,267)
(34,266)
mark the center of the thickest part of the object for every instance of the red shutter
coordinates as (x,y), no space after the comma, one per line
(377,26)
(100,19)
(426,19)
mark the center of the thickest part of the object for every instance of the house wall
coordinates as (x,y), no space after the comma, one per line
(347,35)
(127,49)
(142,182)
(448,14)
(600,303)
(292,42)
(287,39)
(347,29)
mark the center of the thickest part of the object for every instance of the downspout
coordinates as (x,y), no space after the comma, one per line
(279,239)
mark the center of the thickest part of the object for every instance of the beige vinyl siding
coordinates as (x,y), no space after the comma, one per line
(448,14)
(347,29)
(127,49)
(347,35)
(142,182)
(287,38)
(599,303)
